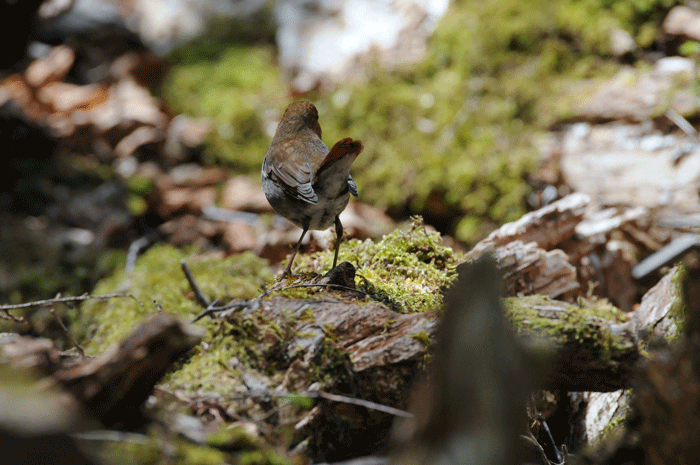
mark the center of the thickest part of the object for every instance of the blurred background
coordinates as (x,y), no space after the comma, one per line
(125,123)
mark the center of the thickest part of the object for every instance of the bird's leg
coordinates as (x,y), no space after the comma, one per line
(339,234)
(288,271)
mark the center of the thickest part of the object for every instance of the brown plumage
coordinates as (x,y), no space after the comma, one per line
(303,180)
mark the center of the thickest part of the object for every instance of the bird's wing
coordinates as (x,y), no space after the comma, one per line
(291,166)
(352,186)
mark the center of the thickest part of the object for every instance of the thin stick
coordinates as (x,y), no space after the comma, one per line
(198,294)
(212,309)
(65,330)
(39,303)
(295,286)
(361,402)
(328,396)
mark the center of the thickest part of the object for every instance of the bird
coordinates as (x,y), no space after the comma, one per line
(303,180)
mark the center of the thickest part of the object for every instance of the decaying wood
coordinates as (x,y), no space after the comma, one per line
(38,354)
(664,426)
(115,384)
(548,227)
(373,335)
(660,310)
(571,248)
(594,353)
(532,270)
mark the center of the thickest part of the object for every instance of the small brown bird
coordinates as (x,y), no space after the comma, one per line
(303,180)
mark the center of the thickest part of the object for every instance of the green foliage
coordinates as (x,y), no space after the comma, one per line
(689,48)
(233,89)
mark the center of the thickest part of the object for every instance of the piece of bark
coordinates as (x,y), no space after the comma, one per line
(682,21)
(373,335)
(114,385)
(639,95)
(598,350)
(605,414)
(658,314)
(548,227)
(664,425)
(39,354)
(632,165)
(532,270)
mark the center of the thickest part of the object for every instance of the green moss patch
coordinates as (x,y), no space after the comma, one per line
(158,278)
(573,323)
(407,269)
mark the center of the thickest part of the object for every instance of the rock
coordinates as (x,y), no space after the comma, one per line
(621,42)
(682,21)
(619,164)
(634,95)
(323,42)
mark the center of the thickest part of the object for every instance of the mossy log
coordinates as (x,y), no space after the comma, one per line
(596,350)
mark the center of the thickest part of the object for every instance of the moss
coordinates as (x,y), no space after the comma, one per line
(232,438)
(407,269)
(187,453)
(158,277)
(262,457)
(132,452)
(616,426)
(232,88)
(423,338)
(689,48)
(573,322)
(228,445)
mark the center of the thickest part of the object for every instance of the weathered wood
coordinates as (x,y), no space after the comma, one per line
(570,248)
(659,312)
(596,350)
(532,270)
(549,226)
(114,385)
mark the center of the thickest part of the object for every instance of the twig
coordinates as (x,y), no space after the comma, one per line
(682,123)
(213,309)
(134,248)
(65,330)
(560,459)
(295,286)
(199,295)
(6,315)
(326,396)
(361,402)
(39,303)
